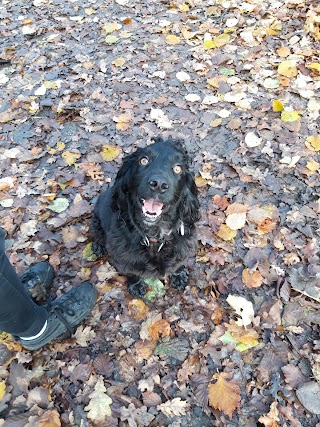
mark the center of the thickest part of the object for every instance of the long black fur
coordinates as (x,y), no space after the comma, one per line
(120,229)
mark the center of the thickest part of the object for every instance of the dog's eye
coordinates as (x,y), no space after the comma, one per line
(144,161)
(177,169)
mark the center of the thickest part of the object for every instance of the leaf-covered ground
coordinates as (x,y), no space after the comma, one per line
(85,82)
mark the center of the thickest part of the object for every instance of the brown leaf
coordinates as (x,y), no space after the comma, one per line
(224,395)
(150,399)
(144,349)
(50,419)
(272,418)
(159,328)
(138,309)
(252,279)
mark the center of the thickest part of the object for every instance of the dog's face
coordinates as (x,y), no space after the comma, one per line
(160,174)
(154,184)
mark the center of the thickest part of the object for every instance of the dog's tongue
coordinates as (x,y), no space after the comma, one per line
(152,206)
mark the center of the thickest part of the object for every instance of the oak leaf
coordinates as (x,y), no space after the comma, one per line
(224,395)
(272,418)
(174,408)
(99,405)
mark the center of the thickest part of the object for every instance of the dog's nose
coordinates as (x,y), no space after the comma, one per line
(158,183)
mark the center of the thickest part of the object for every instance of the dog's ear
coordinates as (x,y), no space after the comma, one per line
(189,206)
(122,183)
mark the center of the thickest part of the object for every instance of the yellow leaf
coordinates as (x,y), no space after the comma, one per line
(209,44)
(184,7)
(224,395)
(123,121)
(277,105)
(252,279)
(111,27)
(313,143)
(2,389)
(314,66)
(52,84)
(159,328)
(201,182)
(216,122)
(287,69)
(138,309)
(61,146)
(221,40)
(313,166)
(70,158)
(283,52)
(290,116)
(50,419)
(119,62)
(172,39)
(110,152)
(225,233)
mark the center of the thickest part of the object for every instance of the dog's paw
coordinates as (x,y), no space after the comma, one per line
(98,249)
(179,280)
(138,289)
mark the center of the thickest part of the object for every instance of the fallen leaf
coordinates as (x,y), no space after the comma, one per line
(177,348)
(252,140)
(83,335)
(70,157)
(313,143)
(59,205)
(155,289)
(2,389)
(290,116)
(110,152)
(159,328)
(123,121)
(224,395)
(111,27)
(252,279)
(272,418)
(312,165)
(50,419)
(171,39)
(138,309)
(174,408)
(99,405)
(277,105)
(243,308)
(119,62)
(287,69)
(226,233)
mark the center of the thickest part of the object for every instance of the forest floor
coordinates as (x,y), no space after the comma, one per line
(83,84)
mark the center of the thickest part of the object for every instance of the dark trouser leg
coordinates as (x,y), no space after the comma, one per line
(19,315)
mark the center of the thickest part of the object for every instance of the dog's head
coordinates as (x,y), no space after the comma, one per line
(154,181)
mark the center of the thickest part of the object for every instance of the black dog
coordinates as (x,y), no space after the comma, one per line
(146,221)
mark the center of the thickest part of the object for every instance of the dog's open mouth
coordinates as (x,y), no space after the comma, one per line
(151,209)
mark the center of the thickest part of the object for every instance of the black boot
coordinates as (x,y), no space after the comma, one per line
(64,314)
(37,280)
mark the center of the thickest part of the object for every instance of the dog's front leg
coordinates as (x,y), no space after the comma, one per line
(179,279)
(136,286)
(97,233)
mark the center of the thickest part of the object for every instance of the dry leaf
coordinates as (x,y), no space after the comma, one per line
(243,308)
(236,216)
(252,279)
(226,233)
(110,152)
(159,328)
(290,116)
(172,39)
(99,405)
(144,349)
(272,418)
(287,69)
(123,121)
(313,143)
(224,395)
(138,309)
(50,419)
(312,165)
(174,408)
(277,105)
(83,335)
(70,157)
